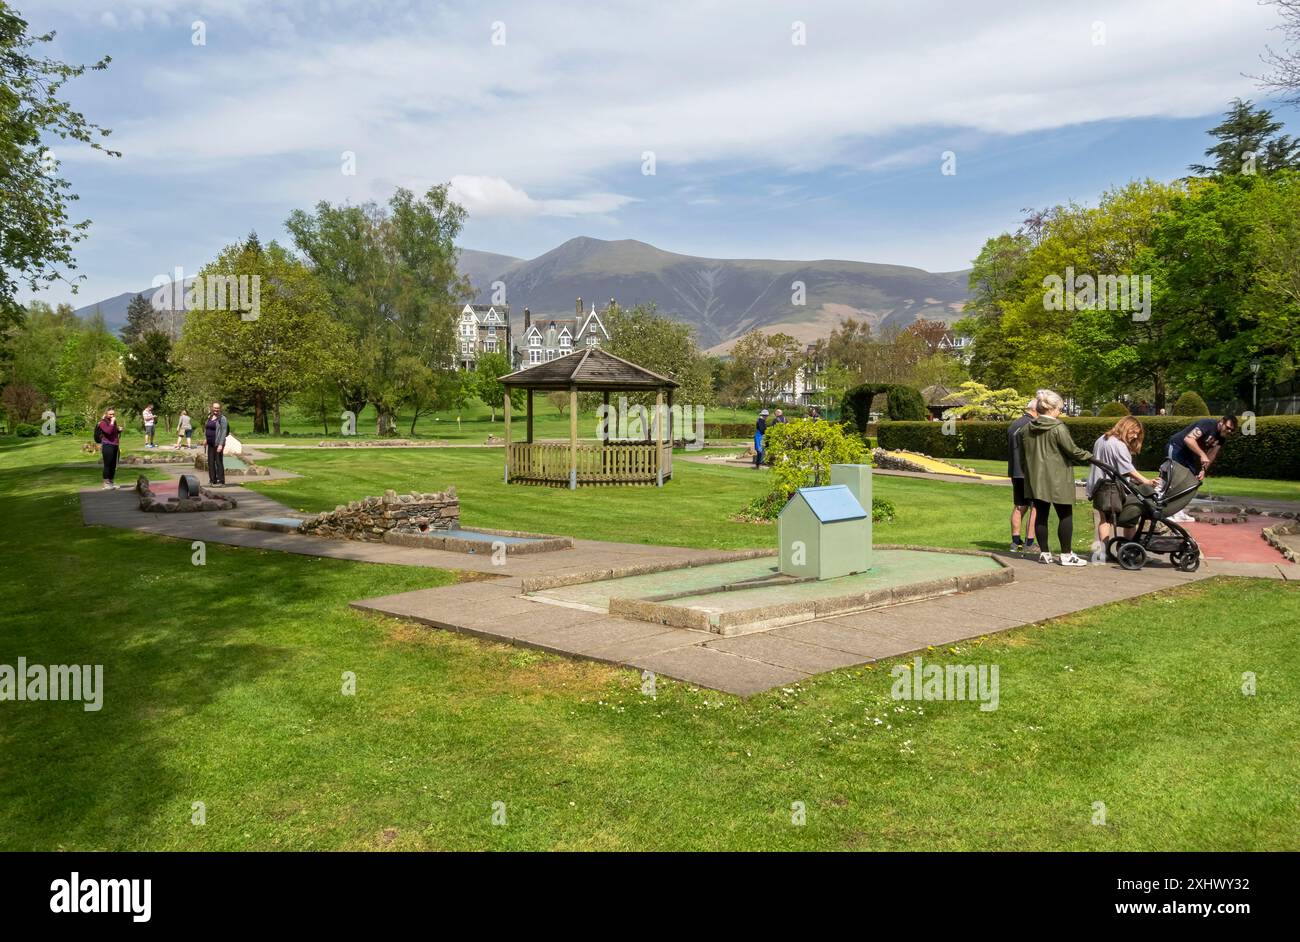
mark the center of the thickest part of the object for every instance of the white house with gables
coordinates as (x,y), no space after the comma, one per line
(549,338)
(482,328)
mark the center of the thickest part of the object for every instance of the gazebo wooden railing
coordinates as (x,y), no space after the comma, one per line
(575,462)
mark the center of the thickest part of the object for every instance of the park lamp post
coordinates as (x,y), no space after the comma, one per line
(1254,384)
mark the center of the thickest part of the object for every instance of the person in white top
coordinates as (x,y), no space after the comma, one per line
(150,422)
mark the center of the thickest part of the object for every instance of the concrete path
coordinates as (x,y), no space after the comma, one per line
(501,610)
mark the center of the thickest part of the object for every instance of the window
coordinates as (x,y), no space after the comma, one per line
(535,340)
(591,340)
(490,345)
(550,355)
(467,329)
(534,356)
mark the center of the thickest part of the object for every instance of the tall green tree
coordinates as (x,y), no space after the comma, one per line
(664,346)
(290,343)
(36,234)
(770,359)
(1246,141)
(148,372)
(140,319)
(391,279)
(488,370)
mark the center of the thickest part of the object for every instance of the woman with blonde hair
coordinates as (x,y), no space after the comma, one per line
(1047,452)
(1116,449)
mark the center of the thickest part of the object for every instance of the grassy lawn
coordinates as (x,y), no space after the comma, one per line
(694,509)
(222,685)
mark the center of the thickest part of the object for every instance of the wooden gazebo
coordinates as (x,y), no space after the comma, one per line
(604,461)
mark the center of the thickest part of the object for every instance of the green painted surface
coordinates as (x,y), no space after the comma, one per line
(892,568)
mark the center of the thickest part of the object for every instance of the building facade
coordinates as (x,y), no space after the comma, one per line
(548,338)
(482,328)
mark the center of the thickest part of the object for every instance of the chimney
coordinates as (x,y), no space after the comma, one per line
(528,319)
(579,308)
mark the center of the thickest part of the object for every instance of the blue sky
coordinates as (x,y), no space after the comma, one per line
(540,114)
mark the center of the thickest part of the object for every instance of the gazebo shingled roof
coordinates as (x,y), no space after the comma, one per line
(592,369)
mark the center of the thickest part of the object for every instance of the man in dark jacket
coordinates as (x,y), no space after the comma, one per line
(215,432)
(1015,470)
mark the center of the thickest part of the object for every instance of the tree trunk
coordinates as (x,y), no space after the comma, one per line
(1159,383)
(277,418)
(259,413)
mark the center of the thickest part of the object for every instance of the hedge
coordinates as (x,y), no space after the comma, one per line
(1272,452)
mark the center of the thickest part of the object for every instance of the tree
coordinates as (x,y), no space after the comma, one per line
(140,319)
(36,235)
(984,403)
(664,346)
(1248,142)
(290,344)
(487,386)
(770,359)
(89,369)
(21,403)
(734,384)
(1284,78)
(390,275)
(148,372)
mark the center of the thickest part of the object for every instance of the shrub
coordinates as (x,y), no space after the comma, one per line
(848,417)
(1189,403)
(1273,451)
(802,451)
(905,404)
(1113,410)
(27,431)
(769,507)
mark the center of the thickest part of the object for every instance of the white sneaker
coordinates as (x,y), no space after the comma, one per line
(1070,559)
(1045,558)
(1182,517)
(107,486)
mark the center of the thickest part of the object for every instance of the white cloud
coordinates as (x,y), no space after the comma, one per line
(492,196)
(577,96)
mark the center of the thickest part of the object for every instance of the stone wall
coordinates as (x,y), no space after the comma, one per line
(370,518)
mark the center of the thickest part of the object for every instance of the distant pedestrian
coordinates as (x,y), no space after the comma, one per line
(108,435)
(1046,451)
(760,429)
(779,418)
(150,423)
(184,428)
(215,431)
(1020,502)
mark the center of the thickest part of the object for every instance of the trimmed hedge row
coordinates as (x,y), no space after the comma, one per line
(1272,452)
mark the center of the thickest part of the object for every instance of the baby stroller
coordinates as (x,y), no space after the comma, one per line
(1149,509)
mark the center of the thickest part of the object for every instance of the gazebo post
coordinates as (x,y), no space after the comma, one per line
(530,416)
(605,440)
(505,409)
(659,437)
(573,437)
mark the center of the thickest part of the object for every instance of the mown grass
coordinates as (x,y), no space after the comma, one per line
(222,685)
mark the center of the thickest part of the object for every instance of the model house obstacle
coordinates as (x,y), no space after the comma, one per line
(825,532)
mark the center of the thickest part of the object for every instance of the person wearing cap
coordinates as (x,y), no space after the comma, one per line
(760,429)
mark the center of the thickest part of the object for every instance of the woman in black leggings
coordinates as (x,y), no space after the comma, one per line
(1047,452)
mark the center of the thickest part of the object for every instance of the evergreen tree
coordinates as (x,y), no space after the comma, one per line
(149,371)
(141,318)
(1246,131)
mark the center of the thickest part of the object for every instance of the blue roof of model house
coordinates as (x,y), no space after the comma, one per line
(832,502)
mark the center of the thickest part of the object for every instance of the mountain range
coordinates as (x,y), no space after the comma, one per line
(721,298)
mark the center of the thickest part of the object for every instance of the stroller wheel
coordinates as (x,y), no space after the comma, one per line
(1131,555)
(1188,561)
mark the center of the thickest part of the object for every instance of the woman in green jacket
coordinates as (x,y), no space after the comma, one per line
(1047,452)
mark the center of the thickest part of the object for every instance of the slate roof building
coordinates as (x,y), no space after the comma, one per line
(549,338)
(482,328)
